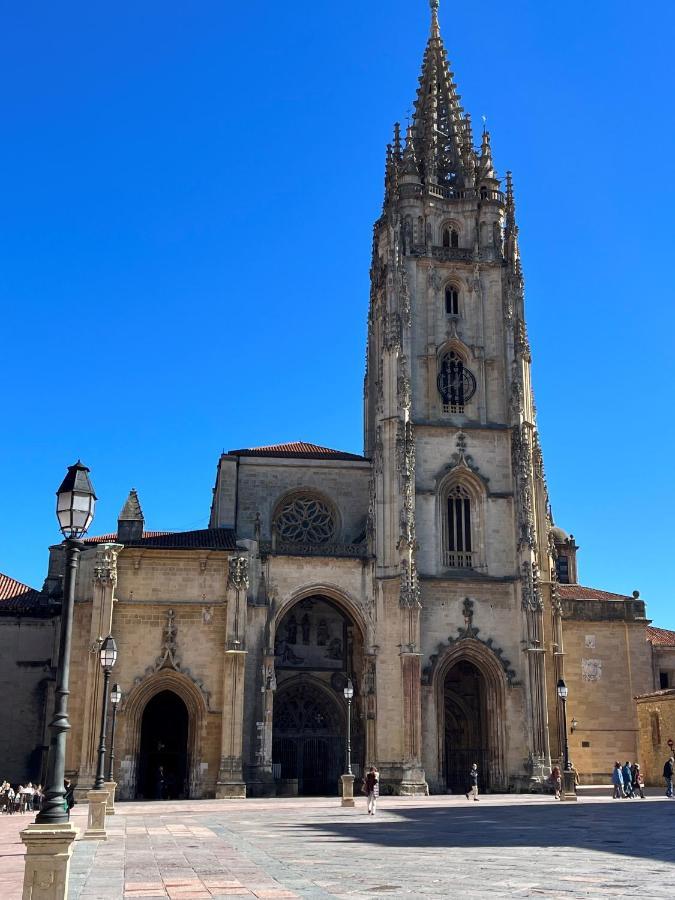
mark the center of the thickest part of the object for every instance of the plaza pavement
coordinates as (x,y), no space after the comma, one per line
(504,846)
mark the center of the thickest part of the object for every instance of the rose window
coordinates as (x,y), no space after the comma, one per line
(305,519)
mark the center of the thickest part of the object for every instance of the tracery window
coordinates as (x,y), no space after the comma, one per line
(450,237)
(305,519)
(459,543)
(451,301)
(456,384)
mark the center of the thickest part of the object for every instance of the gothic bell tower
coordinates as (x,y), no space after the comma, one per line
(458,505)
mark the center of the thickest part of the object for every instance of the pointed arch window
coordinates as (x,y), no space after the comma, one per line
(450,236)
(451,300)
(458,552)
(456,384)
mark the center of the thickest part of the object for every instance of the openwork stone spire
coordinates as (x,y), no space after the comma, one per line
(438,127)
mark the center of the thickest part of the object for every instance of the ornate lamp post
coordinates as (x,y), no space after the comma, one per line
(349,693)
(348,777)
(49,840)
(75,511)
(115,697)
(108,658)
(568,788)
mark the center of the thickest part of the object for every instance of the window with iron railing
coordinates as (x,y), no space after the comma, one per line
(458,552)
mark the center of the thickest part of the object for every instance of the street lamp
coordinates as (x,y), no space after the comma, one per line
(75,510)
(115,697)
(562,693)
(349,693)
(568,791)
(107,658)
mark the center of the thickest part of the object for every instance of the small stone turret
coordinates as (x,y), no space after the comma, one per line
(130,521)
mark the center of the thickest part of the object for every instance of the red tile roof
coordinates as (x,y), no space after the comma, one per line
(202,539)
(660,637)
(578,592)
(297,450)
(111,538)
(16,597)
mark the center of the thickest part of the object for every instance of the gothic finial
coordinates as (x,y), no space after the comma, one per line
(397,140)
(486,166)
(434,18)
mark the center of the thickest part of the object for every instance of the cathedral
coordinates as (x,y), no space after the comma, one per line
(426,573)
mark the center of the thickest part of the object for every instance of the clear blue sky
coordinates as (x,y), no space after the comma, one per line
(188,192)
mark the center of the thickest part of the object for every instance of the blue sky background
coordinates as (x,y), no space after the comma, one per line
(188,192)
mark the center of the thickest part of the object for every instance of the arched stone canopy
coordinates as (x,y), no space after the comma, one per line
(347,604)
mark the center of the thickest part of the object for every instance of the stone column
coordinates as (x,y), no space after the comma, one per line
(47,862)
(263,784)
(111,787)
(96,817)
(348,791)
(105,580)
(230,774)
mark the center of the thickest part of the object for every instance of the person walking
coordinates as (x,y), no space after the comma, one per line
(555,779)
(69,798)
(473,778)
(617,781)
(627,773)
(638,781)
(372,789)
(668,776)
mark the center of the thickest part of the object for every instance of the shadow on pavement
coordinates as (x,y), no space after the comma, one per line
(636,828)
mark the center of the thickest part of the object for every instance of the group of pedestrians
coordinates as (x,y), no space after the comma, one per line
(20,799)
(628,781)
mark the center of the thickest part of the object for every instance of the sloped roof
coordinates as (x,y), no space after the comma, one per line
(660,637)
(131,511)
(297,450)
(202,539)
(579,592)
(16,597)
(111,538)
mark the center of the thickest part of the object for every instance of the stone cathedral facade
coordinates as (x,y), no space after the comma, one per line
(426,570)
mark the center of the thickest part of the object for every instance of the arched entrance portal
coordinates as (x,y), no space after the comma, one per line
(466,726)
(163,758)
(308,740)
(318,647)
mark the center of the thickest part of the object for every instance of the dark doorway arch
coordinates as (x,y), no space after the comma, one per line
(308,742)
(163,757)
(466,727)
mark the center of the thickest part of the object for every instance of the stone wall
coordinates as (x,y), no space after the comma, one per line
(28,648)
(607,663)
(656,719)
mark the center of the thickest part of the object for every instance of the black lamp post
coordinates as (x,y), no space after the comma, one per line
(108,658)
(115,697)
(75,511)
(562,693)
(349,693)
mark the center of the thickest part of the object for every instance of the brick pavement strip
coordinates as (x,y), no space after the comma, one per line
(508,846)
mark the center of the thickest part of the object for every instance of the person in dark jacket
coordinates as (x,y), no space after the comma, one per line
(372,789)
(638,781)
(627,773)
(69,798)
(473,780)
(668,776)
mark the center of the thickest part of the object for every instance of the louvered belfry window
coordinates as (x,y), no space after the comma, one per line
(459,545)
(451,301)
